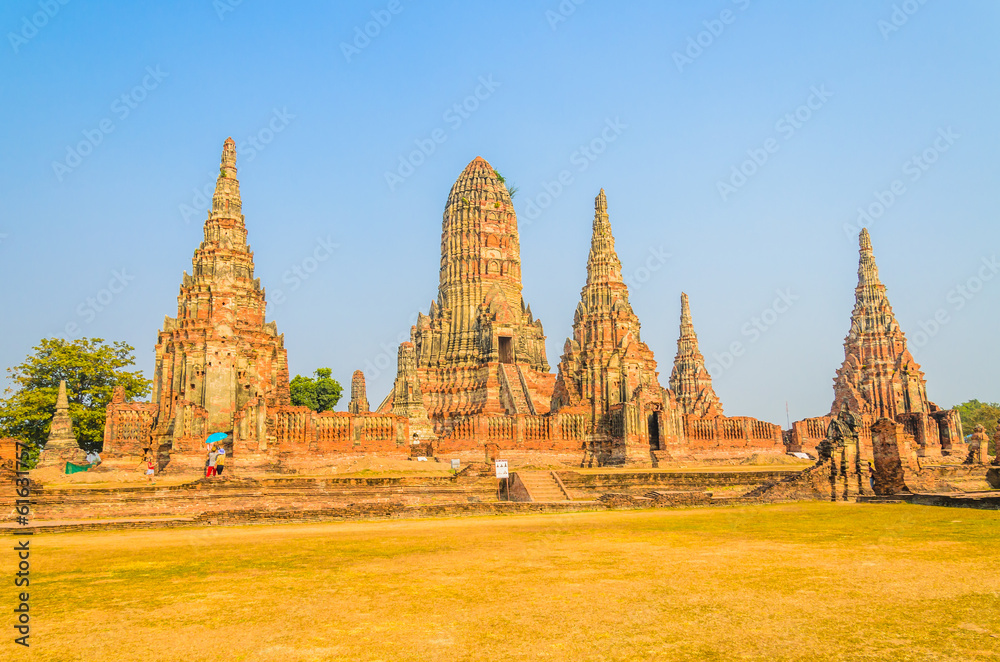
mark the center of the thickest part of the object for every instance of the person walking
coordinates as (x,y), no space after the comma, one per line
(213,457)
(220,461)
(147,462)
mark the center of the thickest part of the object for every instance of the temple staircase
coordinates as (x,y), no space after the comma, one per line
(543,486)
(513,385)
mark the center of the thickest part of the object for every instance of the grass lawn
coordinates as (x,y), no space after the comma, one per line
(808,581)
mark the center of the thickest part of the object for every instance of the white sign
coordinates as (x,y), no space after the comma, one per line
(501,468)
(456,464)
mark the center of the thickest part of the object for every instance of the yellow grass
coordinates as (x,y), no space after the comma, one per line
(812,581)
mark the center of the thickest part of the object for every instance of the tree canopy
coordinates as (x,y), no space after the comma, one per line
(319,393)
(92,369)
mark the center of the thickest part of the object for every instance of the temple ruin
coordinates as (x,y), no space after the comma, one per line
(474,380)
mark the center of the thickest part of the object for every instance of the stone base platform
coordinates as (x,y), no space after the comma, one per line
(980,500)
(286,498)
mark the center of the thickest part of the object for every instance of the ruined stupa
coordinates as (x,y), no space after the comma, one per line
(61,446)
(689,379)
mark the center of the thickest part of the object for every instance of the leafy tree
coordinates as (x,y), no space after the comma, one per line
(92,369)
(986,413)
(319,393)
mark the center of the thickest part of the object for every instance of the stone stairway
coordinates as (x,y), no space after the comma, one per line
(543,486)
(512,381)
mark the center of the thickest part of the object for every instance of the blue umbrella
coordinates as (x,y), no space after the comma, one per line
(216,436)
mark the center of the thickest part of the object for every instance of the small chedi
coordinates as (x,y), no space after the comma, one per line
(359,398)
(474,380)
(689,380)
(61,446)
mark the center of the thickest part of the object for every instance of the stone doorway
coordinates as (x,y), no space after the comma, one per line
(506,349)
(653,428)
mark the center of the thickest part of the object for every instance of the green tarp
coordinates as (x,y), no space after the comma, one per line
(76,468)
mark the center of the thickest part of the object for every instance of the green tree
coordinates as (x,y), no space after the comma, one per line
(319,393)
(975,412)
(92,369)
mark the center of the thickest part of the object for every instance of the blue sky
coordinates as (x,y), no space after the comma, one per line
(661,104)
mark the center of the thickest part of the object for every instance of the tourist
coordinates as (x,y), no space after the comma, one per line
(220,462)
(213,456)
(147,461)
(871,476)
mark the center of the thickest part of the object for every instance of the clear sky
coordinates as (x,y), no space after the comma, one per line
(114,115)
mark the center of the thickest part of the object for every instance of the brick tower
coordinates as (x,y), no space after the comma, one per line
(359,398)
(606,371)
(689,379)
(479,350)
(879,377)
(219,366)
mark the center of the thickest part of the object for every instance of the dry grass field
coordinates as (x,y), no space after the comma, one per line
(809,581)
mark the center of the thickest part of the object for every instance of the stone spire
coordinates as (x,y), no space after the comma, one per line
(605,361)
(218,359)
(480,325)
(224,254)
(359,400)
(603,265)
(407,397)
(689,379)
(878,376)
